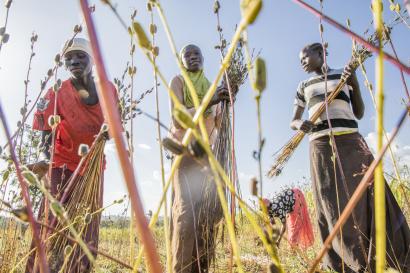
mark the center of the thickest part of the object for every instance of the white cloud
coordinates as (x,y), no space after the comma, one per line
(144,146)
(400,151)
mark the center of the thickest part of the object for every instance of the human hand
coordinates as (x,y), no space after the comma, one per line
(304,125)
(347,71)
(196,149)
(222,93)
(39,168)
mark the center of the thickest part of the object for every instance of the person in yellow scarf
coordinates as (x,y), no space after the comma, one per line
(196,209)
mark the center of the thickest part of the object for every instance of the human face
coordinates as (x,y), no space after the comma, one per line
(311,60)
(78,63)
(192,58)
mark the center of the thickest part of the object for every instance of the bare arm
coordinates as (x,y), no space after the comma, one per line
(356,96)
(298,123)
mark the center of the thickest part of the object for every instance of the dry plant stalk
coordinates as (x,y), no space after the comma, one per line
(84,198)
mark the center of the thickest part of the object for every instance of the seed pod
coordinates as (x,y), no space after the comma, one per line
(134,14)
(50,72)
(254,186)
(55,87)
(57,208)
(104,127)
(77,29)
(321,28)
(30,177)
(130,31)
(217,6)
(260,75)
(5,38)
(59,83)
(87,218)
(2,30)
(83,149)
(155,51)
(57,58)
(51,121)
(152,28)
(149,6)
(57,119)
(173,146)
(119,201)
(183,118)
(7,4)
(250,10)
(67,250)
(21,214)
(143,40)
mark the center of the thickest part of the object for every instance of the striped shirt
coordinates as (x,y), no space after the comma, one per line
(311,93)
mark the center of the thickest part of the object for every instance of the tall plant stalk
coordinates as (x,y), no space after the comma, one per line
(379,184)
(371,47)
(153,30)
(110,110)
(25,194)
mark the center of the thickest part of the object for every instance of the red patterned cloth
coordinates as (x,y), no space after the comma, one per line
(298,224)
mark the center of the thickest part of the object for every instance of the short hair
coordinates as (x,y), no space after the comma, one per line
(315,47)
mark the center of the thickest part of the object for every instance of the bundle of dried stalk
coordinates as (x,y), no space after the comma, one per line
(235,76)
(84,194)
(359,55)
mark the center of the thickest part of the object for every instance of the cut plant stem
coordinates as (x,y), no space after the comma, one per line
(110,110)
(379,183)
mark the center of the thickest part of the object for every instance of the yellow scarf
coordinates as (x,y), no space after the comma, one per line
(201,84)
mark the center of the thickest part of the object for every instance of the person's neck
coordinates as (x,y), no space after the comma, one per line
(84,81)
(320,71)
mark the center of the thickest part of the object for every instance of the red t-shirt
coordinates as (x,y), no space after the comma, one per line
(80,123)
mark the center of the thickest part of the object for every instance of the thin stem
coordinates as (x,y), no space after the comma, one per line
(379,183)
(161,156)
(109,108)
(25,193)
(354,36)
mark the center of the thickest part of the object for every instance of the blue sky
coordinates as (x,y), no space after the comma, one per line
(280,31)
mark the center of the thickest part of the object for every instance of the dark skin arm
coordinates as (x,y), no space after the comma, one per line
(40,168)
(298,123)
(356,96)
(358,107)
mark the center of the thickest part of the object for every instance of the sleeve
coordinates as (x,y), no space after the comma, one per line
(45,109)
(300,96)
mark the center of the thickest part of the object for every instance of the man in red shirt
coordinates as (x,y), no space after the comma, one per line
(80,119)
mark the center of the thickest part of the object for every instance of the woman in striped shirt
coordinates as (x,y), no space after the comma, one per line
(332,184)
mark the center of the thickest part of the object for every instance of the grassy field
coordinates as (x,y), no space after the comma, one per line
(115,241)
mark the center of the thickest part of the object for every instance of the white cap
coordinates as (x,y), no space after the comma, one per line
(79,44)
